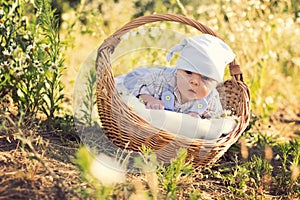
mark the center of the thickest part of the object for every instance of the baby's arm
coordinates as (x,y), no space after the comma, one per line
(151,102)
(194,114)
(148,88)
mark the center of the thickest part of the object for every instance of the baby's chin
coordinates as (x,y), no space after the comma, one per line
(192,97)
(197,97)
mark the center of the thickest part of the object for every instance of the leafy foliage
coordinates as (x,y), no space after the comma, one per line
(31,61)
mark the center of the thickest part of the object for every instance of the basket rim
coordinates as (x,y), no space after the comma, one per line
(234,68)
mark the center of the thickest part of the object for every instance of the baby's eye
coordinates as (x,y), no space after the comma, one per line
(205,78)
(188,72)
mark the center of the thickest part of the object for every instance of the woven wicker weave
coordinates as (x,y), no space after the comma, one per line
(128,130)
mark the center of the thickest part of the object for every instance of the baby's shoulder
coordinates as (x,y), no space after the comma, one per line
(169,70)
(169,74)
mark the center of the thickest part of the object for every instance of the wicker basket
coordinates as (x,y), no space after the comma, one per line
(128,130)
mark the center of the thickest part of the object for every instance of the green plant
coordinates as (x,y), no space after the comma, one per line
(295,166)
(260,170)
(48,24)
(289,154)
(237,180)
(195,195)
(173,175)
(284,150)
(89,100)
(147,164)
(255,137)
(31,60)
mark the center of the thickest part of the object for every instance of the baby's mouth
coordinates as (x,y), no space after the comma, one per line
(191,90)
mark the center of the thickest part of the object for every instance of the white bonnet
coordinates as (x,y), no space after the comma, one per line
(203,54)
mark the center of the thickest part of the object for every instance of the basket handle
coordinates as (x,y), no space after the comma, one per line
(114,39)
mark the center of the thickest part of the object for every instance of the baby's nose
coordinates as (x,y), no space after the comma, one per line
(195,82)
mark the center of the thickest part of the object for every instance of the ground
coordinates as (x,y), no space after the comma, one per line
(46,169)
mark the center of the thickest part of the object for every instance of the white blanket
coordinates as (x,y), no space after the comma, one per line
(178,123)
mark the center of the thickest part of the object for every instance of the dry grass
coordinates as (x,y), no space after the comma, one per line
(43,171)
(26,175)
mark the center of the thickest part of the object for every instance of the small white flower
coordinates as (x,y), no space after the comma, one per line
(30,48)
(5,65)
(27,58)
(26,37)
(40,70)
(18,71)
(53,67)
(13,47)
(25,66)
(107,170)
(6,53)
(2,25)
(36,63)
(46,47)
(1,11)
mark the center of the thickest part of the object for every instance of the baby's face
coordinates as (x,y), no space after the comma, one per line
(192,86)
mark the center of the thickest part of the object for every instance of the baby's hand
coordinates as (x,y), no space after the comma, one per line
(193,114)
(151,102)
(155,104)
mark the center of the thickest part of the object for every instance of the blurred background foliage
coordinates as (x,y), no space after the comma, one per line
(263,33)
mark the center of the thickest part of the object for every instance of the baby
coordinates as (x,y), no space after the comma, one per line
(190,86)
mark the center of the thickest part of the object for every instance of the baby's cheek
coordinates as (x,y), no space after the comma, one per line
(203,92)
